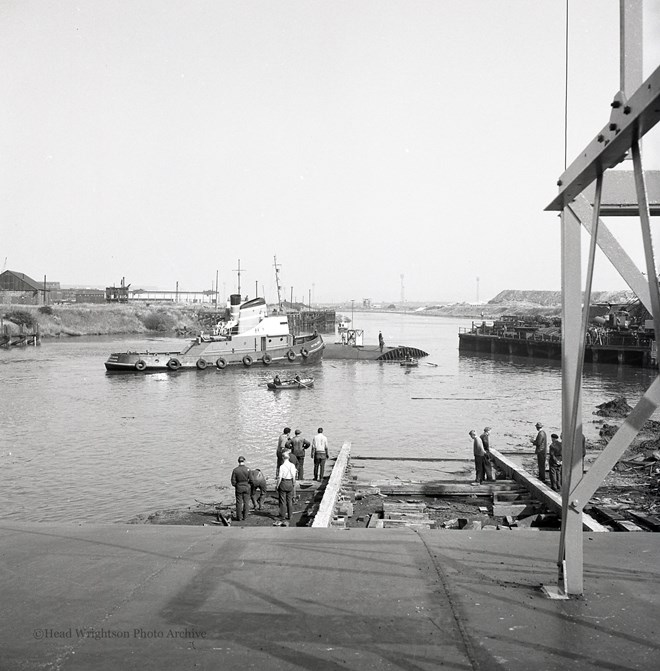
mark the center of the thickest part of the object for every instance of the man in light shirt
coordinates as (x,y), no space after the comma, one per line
(286,486)
(319,454)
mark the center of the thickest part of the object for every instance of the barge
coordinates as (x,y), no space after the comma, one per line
(246,337)
(514,336)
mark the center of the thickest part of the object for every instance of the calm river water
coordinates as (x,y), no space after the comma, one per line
(78,444)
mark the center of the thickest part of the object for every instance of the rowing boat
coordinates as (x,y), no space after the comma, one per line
(303,383)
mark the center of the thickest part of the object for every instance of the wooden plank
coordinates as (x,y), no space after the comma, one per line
(520,496)
(539,490)
(374,518)
(390,524)
(323,517)
(410,517)
(409,507)
(608,514)
(399,458)
(650,521)
(447,488)
(626,525)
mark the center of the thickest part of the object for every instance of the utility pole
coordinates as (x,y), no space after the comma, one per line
(477,289)
(256,288)
(216,290)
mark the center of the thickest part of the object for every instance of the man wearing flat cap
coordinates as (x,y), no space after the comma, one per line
(488,459)
(541,449)
(298,447)
(240,479)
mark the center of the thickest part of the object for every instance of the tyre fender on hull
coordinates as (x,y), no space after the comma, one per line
(221,363)
(201,364)
(174,364)
(266,359)
(304,352)
(140,364)
(291,355)
(247,360)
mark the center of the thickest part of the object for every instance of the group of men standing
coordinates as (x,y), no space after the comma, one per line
(553,455)
(483,464)
(251,484)
(291,465)
(296,447)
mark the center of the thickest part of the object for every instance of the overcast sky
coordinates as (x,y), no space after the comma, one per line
(358,141)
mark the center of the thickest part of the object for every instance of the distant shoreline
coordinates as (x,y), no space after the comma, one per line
(88,319)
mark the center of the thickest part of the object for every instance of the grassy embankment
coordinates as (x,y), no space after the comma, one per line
(102,319)
(135,318)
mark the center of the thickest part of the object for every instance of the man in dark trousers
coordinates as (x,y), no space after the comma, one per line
(541,449)
(286,486)
(319,454)
(479,455)
(554,462)
(488,459)
(240,479)
(299,445)
(258,487)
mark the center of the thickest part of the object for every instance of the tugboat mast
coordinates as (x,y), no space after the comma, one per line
(238,270)
(277,282)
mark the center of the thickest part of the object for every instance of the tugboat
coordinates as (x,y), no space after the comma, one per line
(247,336)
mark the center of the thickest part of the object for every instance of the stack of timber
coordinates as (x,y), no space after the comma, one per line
(613,518)
(405,514)
(397,514)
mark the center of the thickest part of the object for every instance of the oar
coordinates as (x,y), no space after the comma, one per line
(430,363)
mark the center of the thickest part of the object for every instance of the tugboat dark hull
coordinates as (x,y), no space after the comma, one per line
(240,351)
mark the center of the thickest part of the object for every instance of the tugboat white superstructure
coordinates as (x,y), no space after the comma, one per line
(248,336)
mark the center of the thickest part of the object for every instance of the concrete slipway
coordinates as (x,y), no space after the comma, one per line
(111,597)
